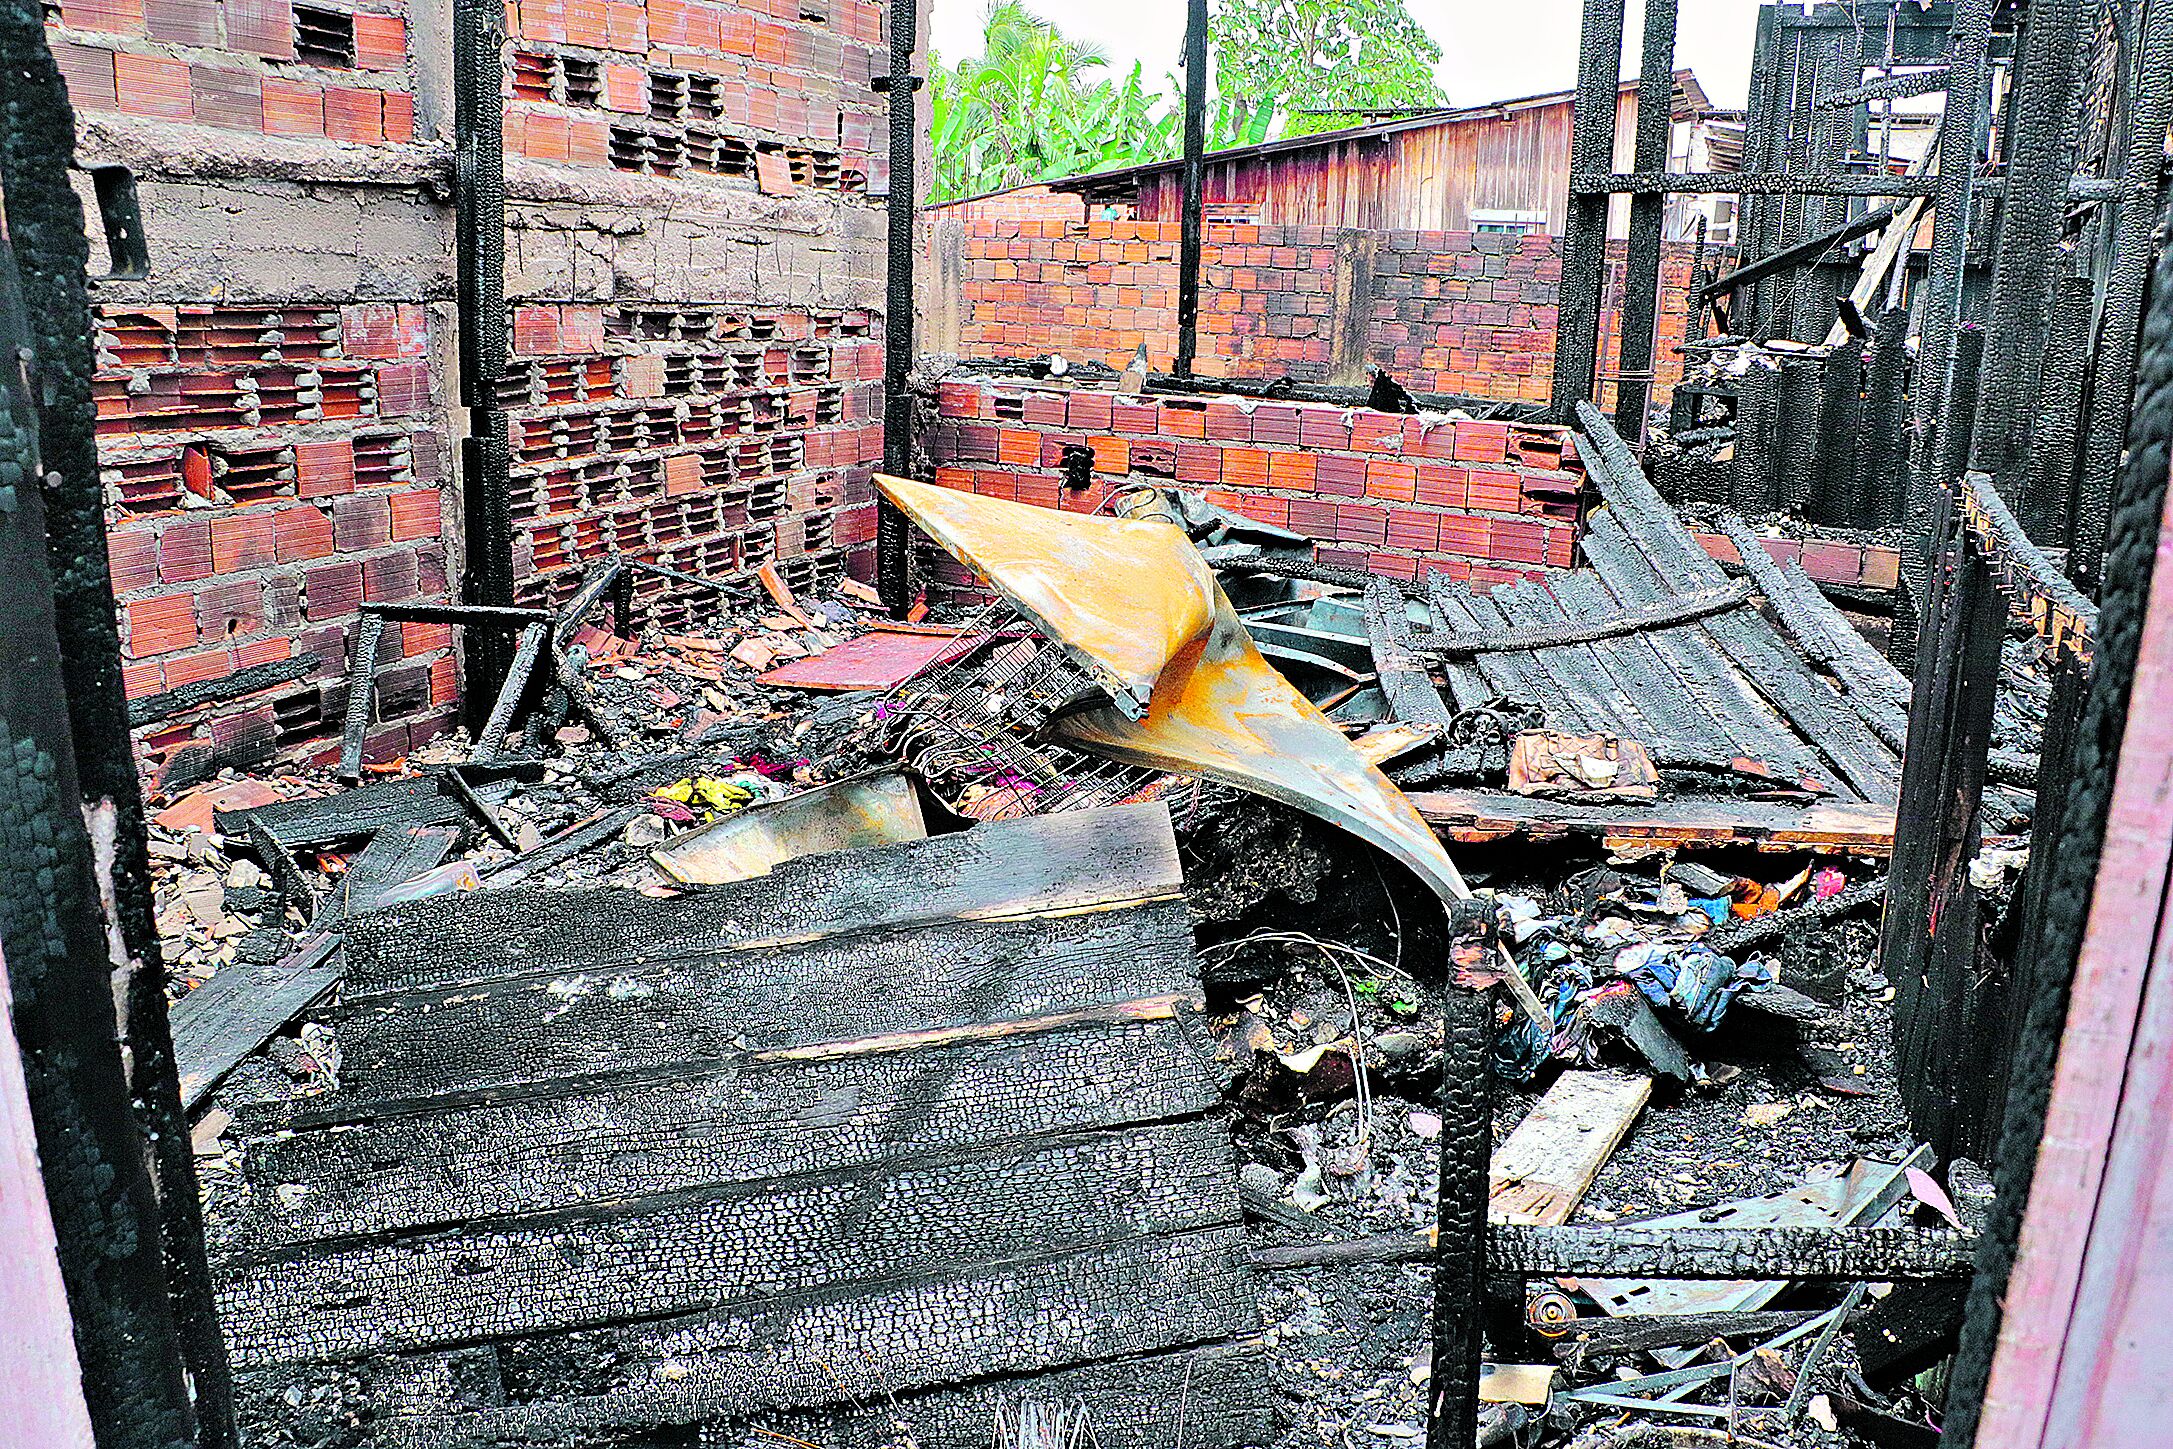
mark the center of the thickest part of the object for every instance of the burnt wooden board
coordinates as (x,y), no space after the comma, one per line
(744,1121)
(741,1246)
(840,988)
(926,1119)
(1009,868)
(1476,816)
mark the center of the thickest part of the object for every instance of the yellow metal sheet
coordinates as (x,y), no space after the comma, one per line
(1123,596)
(1137,592)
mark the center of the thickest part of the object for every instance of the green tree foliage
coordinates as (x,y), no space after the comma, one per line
(1338,57)
(1036,105)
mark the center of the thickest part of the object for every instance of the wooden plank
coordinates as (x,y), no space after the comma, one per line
(1477,816)
(222,1021)
(1397,664)
(1042,865)
(698,1007)
(967,1325)
(1762,732)
(1473,680)
(1543,1170)
(1578,668)
(350,814)
(728,1248)
(743,1121)
(1640,669)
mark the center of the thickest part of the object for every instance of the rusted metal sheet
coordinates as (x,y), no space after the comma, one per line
(877,809)
(878,659)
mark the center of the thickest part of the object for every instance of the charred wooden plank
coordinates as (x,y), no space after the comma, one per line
(694,1006)
(240,1008)
(1052,863)
(727,1248)
(361,694)
(1690,727)
(1601,1337)
(492,616)
(1476,816)
(152,708)
(1397,664)
(1473,680)
(1580,668)
(964,1325)
(743,1121)
(510,693)
(364,810)
(1608,624)
(1627,1251)
(1701,671)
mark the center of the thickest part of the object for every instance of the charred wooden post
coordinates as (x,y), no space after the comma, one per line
(1584,238)
(1837,496)
(51,330)
(2112,387)
(1929,935)
(1970,36)
(1758,219)
(893,561)
(480,257)
(1884,460)
(1757,423)
(2070,848)
(2041,127)
(55,933)
(1189,224)
(1641,273)
(2048,487)
(1797,440)
(1467,1145)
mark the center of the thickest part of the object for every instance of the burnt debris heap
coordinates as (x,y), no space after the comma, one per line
(653,796)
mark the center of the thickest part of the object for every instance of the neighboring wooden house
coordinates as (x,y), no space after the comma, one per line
(1502,167)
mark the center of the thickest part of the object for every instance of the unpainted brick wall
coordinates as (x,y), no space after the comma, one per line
(714,440)
(1484,502)
(694,262)
(1452,312)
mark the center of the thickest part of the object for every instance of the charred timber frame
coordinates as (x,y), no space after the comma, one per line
(1641,289)
(1584,237)
(893,553)
(480,254)
(80,930)
(1189,221)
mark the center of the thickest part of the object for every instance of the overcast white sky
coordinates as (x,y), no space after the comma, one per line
(1491,49)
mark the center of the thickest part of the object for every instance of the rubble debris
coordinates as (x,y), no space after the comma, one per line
(1581,767)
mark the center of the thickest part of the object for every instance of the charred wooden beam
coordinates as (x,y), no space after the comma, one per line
(1622,1250)
(361,693)
(1801,254)
(490,616)
(491,737)
(1397,664)
(1604,1337)
(1189,226)
(1641,270)
(1889,88)
(154,707)
(1585,184)
(893,551)
(1584,236)
(1679,609)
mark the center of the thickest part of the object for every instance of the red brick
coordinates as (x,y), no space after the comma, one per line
(1377,432)
(243,541)
(324,469)
(1018,449)
(1183,422)
(416,514)
(400,116)
(88,70)
(354,115)
(444,681)
(1481,442)
(1320,427)
(1313,517)
(1517,540)
(262,651)
(261,27)
(1135,417)
(1719,546)
(1360,523)
(188,669)
(1275,425)
(1229,423)
(1494,490)
(1882,568)
(380,42)
(160,626)
(230,99)
(391,576)
(1385,479)
(303,533)
(142,677)
(1090,411)
(151,86)
(1111,455)
(1464,535)
(1245,467)
(1291,470)
(361,520)
(1340,475)
(332,591)
(1833,563)
(1199,463)
(417,640)
(114,17)
(1413,528)
(1441,484)
(184,551)
(181,22)
(133,556)
(292,108)
(403,389)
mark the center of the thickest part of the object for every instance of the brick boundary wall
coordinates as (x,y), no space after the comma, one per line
(1483,502)
(1452,312)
